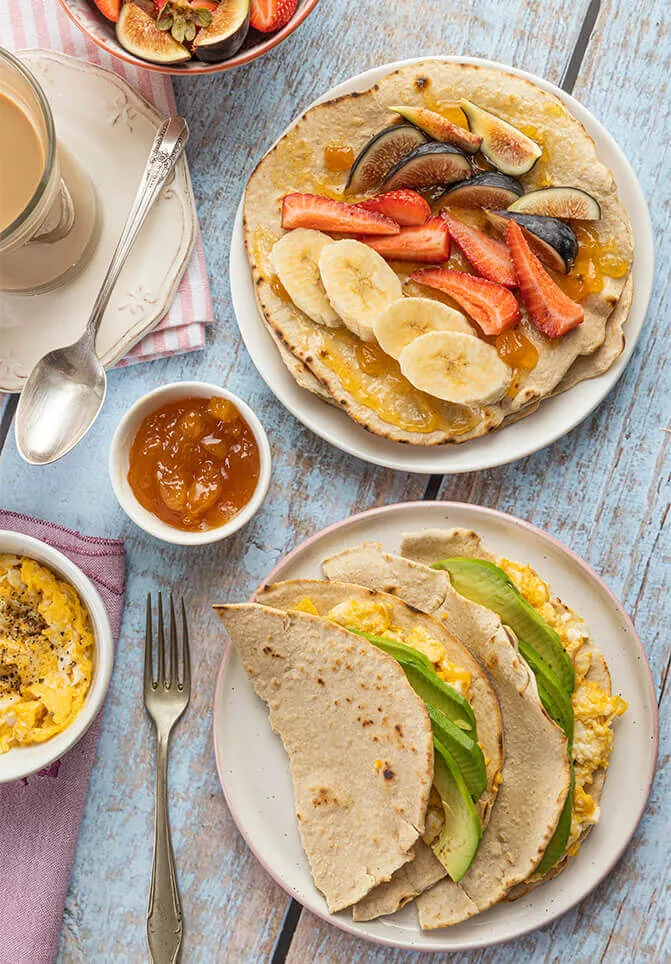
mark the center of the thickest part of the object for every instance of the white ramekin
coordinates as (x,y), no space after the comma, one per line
(21,761)
(123,439)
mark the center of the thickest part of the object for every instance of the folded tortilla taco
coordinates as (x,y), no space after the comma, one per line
(531,645)
(464,713)
(358,738)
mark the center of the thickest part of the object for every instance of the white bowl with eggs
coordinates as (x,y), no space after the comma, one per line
(119,464)
(21,761)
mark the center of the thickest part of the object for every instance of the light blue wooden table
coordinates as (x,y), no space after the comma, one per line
(603,489)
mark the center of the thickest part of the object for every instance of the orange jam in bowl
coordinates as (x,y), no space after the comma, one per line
(194,463)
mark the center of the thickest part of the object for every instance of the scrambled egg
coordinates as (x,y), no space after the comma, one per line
(593,708)
(46,648)
(376,617)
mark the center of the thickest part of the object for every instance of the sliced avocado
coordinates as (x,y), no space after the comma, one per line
(426,682)
(557,846)
(458,841)
(465,751)
(482,582)
(555,699)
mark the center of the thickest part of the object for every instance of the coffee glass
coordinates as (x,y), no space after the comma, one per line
(48,211)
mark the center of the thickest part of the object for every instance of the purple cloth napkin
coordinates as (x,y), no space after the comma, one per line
(40,816)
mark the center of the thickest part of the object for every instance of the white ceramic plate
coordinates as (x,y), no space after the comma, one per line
(253,766)
(109,129)
(554,418)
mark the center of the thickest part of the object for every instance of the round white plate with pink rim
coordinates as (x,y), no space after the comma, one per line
(553,419)
(253,767)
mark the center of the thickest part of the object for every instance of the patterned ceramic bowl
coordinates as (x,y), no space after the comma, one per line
(87,17)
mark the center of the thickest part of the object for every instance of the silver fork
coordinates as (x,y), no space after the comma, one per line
(166,696)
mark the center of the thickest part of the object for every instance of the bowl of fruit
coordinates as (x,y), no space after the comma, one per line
(188,36)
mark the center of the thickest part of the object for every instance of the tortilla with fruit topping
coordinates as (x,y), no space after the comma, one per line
(530,287)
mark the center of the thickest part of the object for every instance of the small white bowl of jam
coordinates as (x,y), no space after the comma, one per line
(190,463)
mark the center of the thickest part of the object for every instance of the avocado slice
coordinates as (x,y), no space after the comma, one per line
(464,750)
(460,837)
(557,846)
(482,582)
(555,699)
(426,682)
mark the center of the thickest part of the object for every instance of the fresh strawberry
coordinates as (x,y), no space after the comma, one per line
(324,214)
(489,257)
(269,15)
(428,242)
(109,8)
(403,206)
(492,306)
(551,311)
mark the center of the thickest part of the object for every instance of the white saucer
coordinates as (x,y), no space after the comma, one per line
(109,128)
(554,418)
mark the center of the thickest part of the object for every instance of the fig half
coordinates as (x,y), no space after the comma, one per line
(489,190)
(380,154)
(226,34)
(428,166)
(509,150)
(559,202)
(137,33)
(552,241)
(439,128)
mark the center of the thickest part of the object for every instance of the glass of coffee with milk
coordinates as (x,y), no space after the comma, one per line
(48,225)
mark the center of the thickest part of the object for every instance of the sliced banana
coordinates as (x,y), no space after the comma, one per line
(455,367)
(295,261)
(402,321)
(359,284)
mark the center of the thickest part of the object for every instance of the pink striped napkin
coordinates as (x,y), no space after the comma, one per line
(43,23)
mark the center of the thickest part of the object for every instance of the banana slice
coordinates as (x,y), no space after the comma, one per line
(402,321)
(359,284)
(295,261)
(455,367)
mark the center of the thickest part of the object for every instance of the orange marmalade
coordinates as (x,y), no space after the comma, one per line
(194,463)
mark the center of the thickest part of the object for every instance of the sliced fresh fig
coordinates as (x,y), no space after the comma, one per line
(380,154)
(553,242)
(439,128)
(428,166)
(137,33)
(489,190)
(507,148)
(226,34)
(559,202)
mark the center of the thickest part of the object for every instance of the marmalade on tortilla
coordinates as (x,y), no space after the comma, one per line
(194,463)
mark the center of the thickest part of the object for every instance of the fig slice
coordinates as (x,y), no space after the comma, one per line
(559,202)
(506,147)
(137,33)
(226,34)
(380,154)
(439,128)
(428,166)
(553,242)
(488,190)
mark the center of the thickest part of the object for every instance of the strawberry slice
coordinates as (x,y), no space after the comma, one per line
(324,214)
(109,8)
(551,311)
(269,15)
(489,257)
(492,306)
(403,206)
(428,242)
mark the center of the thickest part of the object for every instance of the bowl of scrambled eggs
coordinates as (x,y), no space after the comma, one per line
(56,655)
